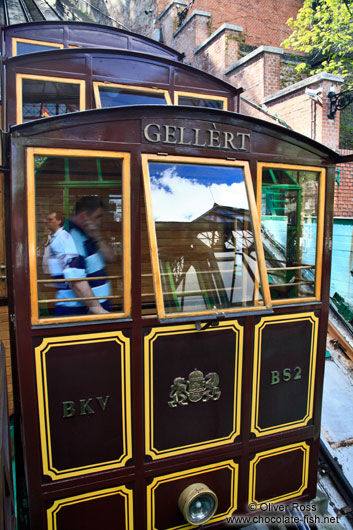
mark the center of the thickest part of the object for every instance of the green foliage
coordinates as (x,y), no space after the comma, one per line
(324,30)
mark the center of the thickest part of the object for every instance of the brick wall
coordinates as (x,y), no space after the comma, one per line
(263,21)
(343,203)
(219,51)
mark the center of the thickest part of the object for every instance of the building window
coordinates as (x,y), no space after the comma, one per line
(42,97)
(204,237)
(24,46)
(201,100)
(291,202)
(79,234)
(114,95)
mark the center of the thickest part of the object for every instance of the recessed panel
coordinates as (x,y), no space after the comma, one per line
(284,372)
(163,493)
(98,509)
(84,403)
(192,388)
(279,474)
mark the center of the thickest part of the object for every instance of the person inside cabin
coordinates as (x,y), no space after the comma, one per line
(92,254)
(59,249)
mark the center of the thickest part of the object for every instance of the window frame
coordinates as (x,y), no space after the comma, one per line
(31,152)
(319,230)
(152,239)
(131,88)
(197,95)
(19,91)
(15,40)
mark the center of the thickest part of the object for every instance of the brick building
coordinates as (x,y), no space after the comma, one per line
(240,42)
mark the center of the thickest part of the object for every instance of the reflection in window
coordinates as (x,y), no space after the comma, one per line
(204,237)
(289,222)
(113,96)
(24,47)
(79,235)
(42,98)
(191,101)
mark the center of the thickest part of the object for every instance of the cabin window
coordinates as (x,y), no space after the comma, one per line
(291,204)
(201,100)
(79,234)
(23,46)
(114,95)
(204,237)
(41,97)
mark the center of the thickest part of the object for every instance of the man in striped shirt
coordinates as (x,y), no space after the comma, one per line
(92,254)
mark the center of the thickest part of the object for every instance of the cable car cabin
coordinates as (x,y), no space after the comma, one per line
(169,291)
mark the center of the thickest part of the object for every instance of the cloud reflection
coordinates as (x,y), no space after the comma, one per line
(176,198)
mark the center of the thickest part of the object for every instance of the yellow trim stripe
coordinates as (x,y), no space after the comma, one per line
(320,224)
(31,152)
(195,472)
(15,40)
(304,447)
(146,158)
(58,505)
(256,397)
(149,340)
(198,95)
(19,90)
(43,402)
(130,88)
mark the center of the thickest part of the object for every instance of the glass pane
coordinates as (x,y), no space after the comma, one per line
(205,242)
(200,102)
(29,47)
(289,210)
(48,98)
(79,221)
(116,97)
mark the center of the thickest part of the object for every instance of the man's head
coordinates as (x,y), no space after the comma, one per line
(89,210)
(55,220)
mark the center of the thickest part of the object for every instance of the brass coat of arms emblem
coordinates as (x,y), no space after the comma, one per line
(196,388)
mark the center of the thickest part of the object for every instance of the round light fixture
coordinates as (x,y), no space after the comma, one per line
(197,503)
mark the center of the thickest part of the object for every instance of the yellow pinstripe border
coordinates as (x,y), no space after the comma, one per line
(197,95)
(265,321)
(43,402)
(153,247)
(19,91)
(149,393)
(31,218)
(130,88)
(320,225)
(86,497)
(195,472)
(303,446)
(15,40)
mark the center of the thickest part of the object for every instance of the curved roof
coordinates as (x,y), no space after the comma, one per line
(86,34)
(284,142)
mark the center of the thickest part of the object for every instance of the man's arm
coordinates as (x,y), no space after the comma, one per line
(82,289)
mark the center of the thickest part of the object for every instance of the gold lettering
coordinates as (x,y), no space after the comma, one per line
(228,139)
(243,136)
(286,373)
(103,402)
(156,135)
(214,137)
(170,131)
(275,377)
(181,138)
(85,408)
(196,142)
(68,409)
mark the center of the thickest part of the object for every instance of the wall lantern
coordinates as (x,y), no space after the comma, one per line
(197,503)
(338,101)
